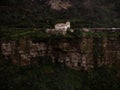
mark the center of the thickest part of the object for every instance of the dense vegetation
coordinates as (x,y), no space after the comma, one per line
(40,34)
(32,17)
(38,13)
(48,76)
(56,77)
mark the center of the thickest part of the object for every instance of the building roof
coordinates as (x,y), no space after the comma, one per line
(61,24)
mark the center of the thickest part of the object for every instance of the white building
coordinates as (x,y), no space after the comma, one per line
(60,28)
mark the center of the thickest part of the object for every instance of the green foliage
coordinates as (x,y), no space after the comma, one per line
(39,34)
(22,33)
(46,76)
(37,13)
(51,77)
(97,50)
(103,78)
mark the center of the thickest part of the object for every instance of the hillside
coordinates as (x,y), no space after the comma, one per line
(44,13)
(51,77)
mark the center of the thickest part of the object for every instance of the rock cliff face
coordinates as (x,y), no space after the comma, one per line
(59,4)
(83,54)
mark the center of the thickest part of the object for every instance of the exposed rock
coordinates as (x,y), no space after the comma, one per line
(73,55)
(59,4)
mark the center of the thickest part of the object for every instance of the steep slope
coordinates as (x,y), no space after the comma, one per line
(44,13)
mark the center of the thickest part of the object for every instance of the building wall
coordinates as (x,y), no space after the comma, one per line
(60,27)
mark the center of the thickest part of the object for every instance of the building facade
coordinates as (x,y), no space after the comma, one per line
(60,28)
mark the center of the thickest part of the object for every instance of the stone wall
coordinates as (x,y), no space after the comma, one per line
(82,54)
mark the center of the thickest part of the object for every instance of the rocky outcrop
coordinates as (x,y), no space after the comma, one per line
(83,54)
(59,4)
